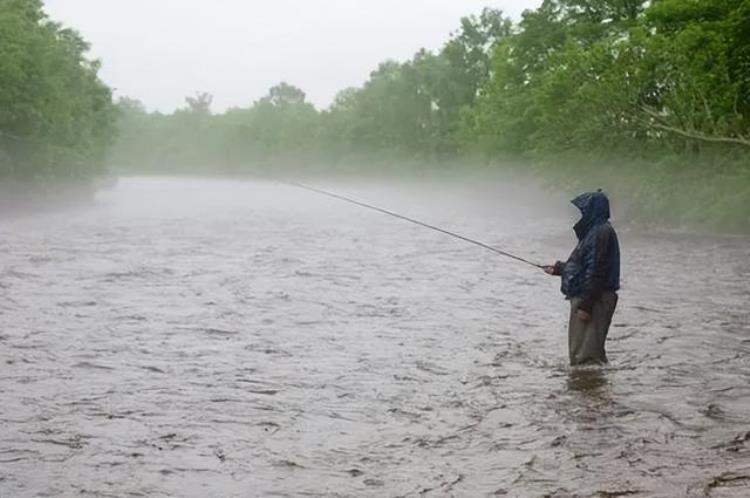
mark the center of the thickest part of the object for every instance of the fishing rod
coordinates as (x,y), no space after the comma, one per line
(410,220)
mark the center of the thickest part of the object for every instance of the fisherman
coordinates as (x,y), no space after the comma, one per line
(590,280)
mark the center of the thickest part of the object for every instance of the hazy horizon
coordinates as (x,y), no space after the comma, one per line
(237,50)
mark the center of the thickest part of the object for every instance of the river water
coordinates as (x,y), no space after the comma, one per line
(200,338)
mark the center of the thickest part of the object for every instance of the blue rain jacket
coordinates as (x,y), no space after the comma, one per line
(594,265)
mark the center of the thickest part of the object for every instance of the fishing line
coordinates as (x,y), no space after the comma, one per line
(410,220)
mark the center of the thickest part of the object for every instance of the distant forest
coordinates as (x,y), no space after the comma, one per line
(648,98)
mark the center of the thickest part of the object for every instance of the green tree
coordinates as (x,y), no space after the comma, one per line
(56,116)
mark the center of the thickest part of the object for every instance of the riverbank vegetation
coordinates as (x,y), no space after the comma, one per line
(57,119)
(650,99)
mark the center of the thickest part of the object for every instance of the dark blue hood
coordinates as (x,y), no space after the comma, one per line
(594,207)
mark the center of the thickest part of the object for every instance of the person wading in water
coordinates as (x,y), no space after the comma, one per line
(590,280)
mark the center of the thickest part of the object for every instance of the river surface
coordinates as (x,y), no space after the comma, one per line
(218,338)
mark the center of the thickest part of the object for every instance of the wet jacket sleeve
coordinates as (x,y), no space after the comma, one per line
(595,267)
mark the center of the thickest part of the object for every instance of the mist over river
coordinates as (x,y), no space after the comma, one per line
(196,338)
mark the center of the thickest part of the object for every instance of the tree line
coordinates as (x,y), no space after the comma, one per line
(595,76)
(57,118)
(654,94)
(406,110)
(649,97)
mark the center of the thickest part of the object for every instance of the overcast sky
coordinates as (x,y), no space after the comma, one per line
(159,51)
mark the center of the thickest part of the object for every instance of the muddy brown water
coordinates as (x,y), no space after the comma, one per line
(197,338)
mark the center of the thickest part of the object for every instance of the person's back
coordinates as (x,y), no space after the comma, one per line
(590,280)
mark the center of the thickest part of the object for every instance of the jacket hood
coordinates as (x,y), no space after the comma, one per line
(594,207)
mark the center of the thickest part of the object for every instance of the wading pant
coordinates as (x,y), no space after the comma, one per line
(586,339)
